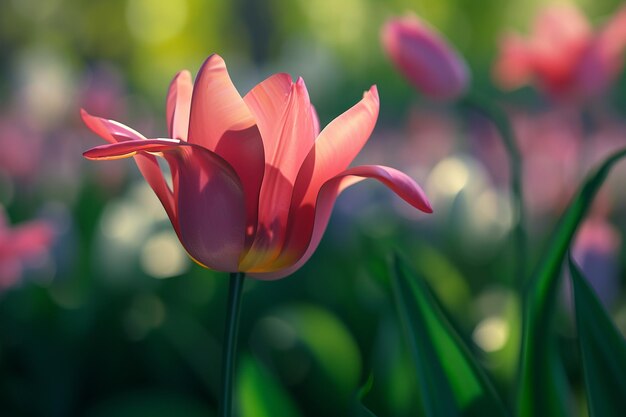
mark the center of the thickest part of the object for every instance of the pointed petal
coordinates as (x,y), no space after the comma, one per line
(267,102)
(336,147)
(129,148)
(221,122)
(115,132)
(208,197)
(288,135)
(178,105)
(109,130)
(316,121)
(308,223)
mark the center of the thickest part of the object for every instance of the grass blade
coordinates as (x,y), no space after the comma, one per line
(451,382)
(542,385)
(603,351)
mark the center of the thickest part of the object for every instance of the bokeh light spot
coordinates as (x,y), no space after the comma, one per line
(449,177)
(491,334)
(163,256)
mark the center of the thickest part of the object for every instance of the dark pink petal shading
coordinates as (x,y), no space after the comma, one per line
(208,197)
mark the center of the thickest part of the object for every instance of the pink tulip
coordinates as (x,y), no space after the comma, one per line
(425,58)
(563,55)
(20,244)
(254,180)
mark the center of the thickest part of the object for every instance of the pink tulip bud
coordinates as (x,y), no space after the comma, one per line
(425,58)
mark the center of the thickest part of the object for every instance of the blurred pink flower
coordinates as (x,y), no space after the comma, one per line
(16,135)
(20,244)
(425,58)
(254,180)
(563,56)
(596,249)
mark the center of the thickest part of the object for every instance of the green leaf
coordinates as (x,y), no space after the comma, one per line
(359,409)
(451,382)
(260,394)
(542,384)
(603,351)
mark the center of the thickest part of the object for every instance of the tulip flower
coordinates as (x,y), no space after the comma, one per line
(20,244)
(254,179)
(425,58)
(563,56)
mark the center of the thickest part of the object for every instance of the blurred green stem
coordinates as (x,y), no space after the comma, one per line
(229,348)
(503,125)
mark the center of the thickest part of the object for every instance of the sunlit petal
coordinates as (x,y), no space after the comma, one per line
(178,105)
(221,122)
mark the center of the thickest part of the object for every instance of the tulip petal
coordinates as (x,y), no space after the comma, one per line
(221,122)
(308,223)
(268,102)
(283,111)
(208,197)
(115,132)
(336,147)
(316,121)
(129,148)
(178,105)
(109,130)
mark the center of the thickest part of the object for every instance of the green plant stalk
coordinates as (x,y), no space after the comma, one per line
(229,348)
(507,136)
(540,294)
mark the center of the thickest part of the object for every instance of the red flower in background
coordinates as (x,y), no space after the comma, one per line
(563,55)
(254,179)
(20,244)
(425,58)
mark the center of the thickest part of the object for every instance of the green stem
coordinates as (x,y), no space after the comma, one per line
(502,123)
(229,349)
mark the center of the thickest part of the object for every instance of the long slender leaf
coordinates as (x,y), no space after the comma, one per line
(358,408)
(603,351)
(451,382)
(542,385)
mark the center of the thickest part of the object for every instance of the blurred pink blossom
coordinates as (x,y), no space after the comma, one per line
(16,135)
(563,56)
(425,58)
(19,245)
(596,249)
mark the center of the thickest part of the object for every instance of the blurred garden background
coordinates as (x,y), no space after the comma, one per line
(109,317)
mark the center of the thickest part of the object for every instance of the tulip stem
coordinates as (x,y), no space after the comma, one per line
(229,348)
(503,125)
